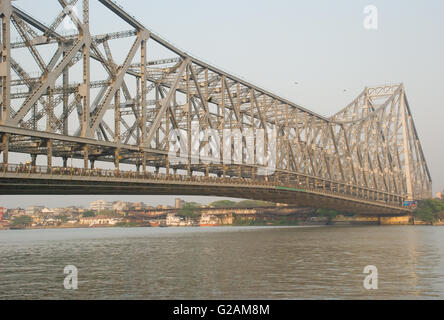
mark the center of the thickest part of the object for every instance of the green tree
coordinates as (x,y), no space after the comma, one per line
(440,215)
(190,210)
(429,210)
(88,214)
(109,213)
(62,217)
(223,204)
(328,213)
(22,221)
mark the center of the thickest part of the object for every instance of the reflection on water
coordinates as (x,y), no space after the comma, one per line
(223,263)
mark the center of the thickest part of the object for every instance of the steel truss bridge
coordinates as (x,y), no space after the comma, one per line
(97,95)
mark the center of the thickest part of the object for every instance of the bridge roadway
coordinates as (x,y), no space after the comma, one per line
(291,188)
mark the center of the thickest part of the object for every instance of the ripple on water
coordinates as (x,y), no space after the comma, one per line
(223,263)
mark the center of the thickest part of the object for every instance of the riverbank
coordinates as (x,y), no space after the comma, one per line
(340,221)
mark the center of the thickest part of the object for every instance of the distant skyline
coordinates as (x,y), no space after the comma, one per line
(315,53)
(58,201)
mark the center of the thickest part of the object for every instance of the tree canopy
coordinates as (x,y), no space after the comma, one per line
(88,214)
(22,221)
(223,204)
(189,210)
(328,213)
(62,217)
(429,210)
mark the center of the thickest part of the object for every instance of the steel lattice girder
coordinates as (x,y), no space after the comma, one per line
(127,115)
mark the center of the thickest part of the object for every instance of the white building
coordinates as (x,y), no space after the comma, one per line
(207,220)
(100,205)
(32,210)
(139,206)
(100,220)
(120,206)
(47,211)
(179,203)
(175,221)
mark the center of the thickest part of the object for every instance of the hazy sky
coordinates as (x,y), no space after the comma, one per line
(321,45)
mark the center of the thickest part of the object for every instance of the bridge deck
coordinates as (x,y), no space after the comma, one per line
(22,179)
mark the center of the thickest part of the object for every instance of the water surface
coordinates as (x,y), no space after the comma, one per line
(224,262)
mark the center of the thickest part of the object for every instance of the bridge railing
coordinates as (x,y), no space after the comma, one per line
(295,182)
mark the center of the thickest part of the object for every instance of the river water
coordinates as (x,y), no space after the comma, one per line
(325,262)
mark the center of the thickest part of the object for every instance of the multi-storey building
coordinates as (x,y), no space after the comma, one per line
(120,206)
(179,204)
(100,205)
(33,210)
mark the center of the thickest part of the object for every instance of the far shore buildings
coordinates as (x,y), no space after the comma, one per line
(179,204)
(172,220)
(33,210)
(43,211)
(48,212)
(138,206)
(440,195)
(98,220)
(100,205)
(120,206)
